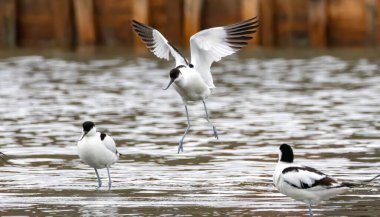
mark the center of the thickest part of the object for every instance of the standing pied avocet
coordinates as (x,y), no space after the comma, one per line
(304,183)
(193,81)
(98,150)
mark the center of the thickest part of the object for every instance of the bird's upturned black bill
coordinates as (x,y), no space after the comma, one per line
(83,135)
(170,83)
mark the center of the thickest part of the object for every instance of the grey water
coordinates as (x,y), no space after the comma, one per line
(325,104)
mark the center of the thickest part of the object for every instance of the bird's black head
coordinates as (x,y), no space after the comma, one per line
(88,125)
(174,73)
(286,153)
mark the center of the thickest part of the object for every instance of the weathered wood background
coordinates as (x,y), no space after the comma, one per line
(283,23)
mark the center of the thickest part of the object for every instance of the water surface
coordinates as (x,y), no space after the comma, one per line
(324,104)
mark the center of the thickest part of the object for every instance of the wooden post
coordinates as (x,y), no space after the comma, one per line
(63,26)
(348,23)
(377,23)
(85,26)
(372,11)
(140,10)
(173,30)
(292,25)
(267,23)
(249,9)
(317,23)
(192,18)
(8,23)
(140,13)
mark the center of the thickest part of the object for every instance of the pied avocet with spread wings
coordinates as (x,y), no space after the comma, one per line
(193,80)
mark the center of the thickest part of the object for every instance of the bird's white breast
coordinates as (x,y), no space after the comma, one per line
(192,87)
(93,152)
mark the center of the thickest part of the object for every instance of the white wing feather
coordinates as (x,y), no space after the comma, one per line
(211,45)
(110,144)
(302,177)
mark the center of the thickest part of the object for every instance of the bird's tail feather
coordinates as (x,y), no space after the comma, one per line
(119,154)
(370,180)
(365,182)
(349,184)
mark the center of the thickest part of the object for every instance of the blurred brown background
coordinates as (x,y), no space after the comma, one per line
(284,23)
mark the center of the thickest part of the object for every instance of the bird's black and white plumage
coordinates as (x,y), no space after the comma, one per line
(193,80)
(98,150)
(305,183)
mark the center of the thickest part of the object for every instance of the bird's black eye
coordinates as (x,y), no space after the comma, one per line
(191,65)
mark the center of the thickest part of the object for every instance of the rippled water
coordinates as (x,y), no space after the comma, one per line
(326,105)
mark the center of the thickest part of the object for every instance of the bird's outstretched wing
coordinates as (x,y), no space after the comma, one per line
(109,143)
(307,178)
(157,43)
(210,45)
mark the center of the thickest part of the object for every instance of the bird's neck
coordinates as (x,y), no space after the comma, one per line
(91,134)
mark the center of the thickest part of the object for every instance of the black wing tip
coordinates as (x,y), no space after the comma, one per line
(239,38)
(239,34)
(145,33)
(254,19)
(237,30)
(250,21)
(247,24)
(138,25)
(137,22)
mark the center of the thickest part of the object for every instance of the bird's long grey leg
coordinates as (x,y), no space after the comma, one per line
(180,146)
(99,181)
(213,127)
(310,211)
(109,179)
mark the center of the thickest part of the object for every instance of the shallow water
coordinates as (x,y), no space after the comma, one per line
(324,104)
